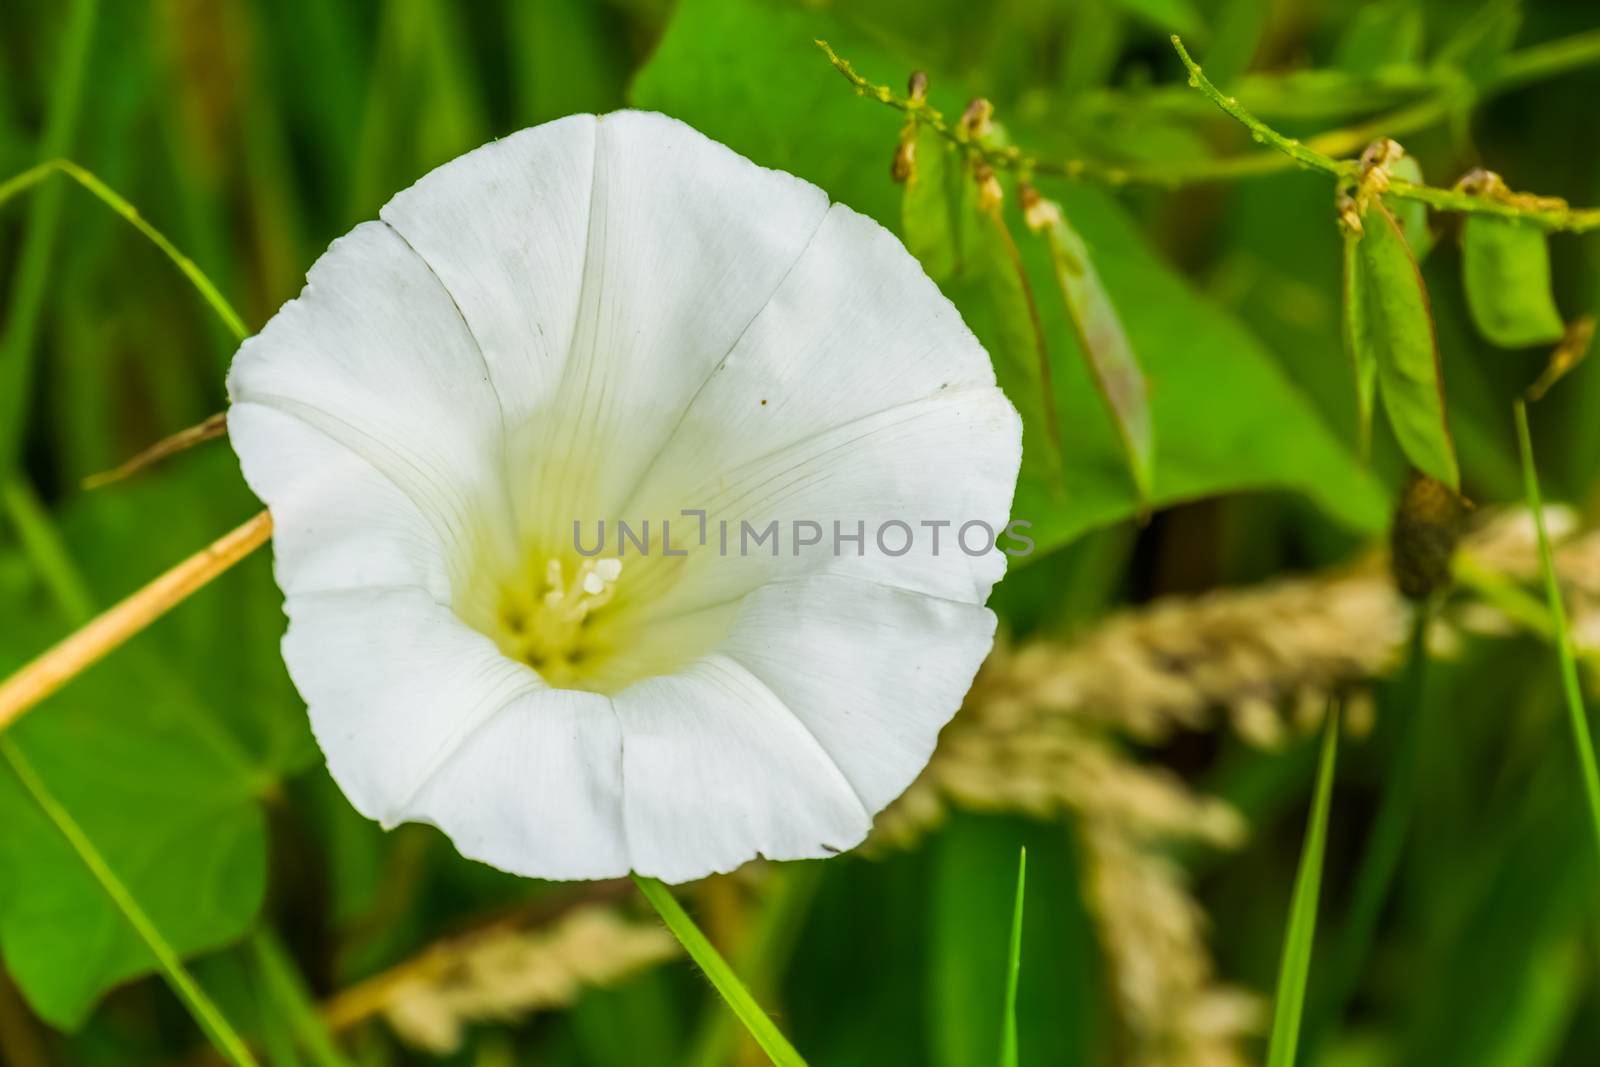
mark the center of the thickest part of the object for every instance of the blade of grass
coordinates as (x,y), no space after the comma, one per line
(38,243)
(112,199)
(1295,966)
(762,1029)
(211,1020)
(1385,843)
(1583,746)
(771,943)
(1008,1021)
(287,992)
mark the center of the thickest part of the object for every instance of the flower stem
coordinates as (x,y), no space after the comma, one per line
(1582,744)
(89,644)
(762,1028)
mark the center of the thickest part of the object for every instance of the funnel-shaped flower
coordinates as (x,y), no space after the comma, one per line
(615,319)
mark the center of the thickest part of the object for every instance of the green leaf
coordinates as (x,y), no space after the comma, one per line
(1412,215)
(200,1006)
(1363,356)
(1505,268)
(1391,328)
(1008,1020)
(1381,35)
(926,224)
(1105,345)
(747,74)
(761,1027)
(171,807)
(163,768)
(1295,966)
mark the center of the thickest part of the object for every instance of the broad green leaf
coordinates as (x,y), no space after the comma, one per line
(171,805)
(747,74)
(1105,345)
(200,1005)
(163,767)
(1412,215)
(1295,967)
(926,223)
(1505,268)
(1388,317)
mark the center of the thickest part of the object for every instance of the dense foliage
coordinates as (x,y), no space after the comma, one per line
(1235,319)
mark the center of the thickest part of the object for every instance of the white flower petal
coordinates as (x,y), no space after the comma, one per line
(337,522)
(717,771)
(395,684)
(874,673)
(950,458)
(536,790)
(506,228)
(375,355)
(687,242)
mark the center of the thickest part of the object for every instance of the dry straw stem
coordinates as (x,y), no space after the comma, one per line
(91,643)
(213,427)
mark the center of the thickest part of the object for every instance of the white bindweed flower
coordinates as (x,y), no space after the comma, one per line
(607,319)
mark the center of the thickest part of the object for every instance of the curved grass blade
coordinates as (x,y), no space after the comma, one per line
(1008,1021)
(205,1012)
(287,992)
(1295,967)
(1582,744)
(762,1029)
(114,200)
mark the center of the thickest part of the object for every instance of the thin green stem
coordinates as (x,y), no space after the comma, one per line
(1295,967)
(116,202)
(1385,844)
(1008,1020)
(1539,213)
(287,992)
(38,242)
(700,949)
(44,548)
(1583,746)
(205,1012)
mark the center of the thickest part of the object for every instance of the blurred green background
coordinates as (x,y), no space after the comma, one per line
(253,132)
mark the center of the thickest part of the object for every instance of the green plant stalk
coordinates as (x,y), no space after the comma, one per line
(700,949)
(205,1012)
(1008,1020)
(771,943)
(38,242)
(287,992)
(1520,68)
(1385,843)
(1583,746)
(1576,220)
(111,198)
(1294,969)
